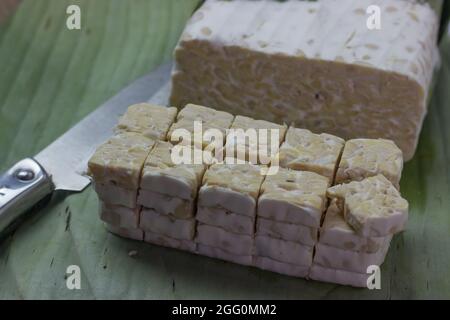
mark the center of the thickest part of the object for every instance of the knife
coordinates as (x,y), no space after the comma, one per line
(62,165)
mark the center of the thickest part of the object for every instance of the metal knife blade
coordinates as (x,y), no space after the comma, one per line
(65,160)
(63,164)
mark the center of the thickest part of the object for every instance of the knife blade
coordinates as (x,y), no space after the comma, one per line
(62,165)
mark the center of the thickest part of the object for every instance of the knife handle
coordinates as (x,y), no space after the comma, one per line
(21,187)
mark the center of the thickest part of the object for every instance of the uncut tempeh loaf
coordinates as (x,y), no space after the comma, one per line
(313,63)
(295,219)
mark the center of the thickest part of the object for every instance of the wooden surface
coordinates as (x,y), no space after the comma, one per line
(51,77)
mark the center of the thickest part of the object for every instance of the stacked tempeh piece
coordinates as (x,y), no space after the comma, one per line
(293,221)
(228,198)
(168,194)
(290,208)
(227,212)
(363,214)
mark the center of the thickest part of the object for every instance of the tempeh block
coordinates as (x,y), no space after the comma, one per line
(301,62)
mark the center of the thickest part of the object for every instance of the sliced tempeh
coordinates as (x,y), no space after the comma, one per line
(287,231)
(208,118)
(110,193)
(346,278)
(233,187)
(373,206)
(306,151)
(233,243)
(226,220)
(163,174)
(251,140)
(168,205)
(297,197)
(147,119)
(166,185)
(283,251)
(120,160)
(120,216)
(334,258)
(181,229)
(363,158)
(336,232)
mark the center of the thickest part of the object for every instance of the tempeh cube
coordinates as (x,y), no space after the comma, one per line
(207,117)
(168,187)
(227,220)
(287,231)
(334,258)
(165,204)
(250,140)
(119,216)
(120,160)
(227,204)
(163,224)
(373,206)
(110,193)
(283,251)
(161,240)
(297,197)
(363,158)
(147,119)
(233,187)
(346,278)
(233,243)
(336,232)
(306,151)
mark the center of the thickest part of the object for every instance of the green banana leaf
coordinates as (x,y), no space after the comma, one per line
(51,77)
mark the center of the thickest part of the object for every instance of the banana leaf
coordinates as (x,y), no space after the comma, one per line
(51,77)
